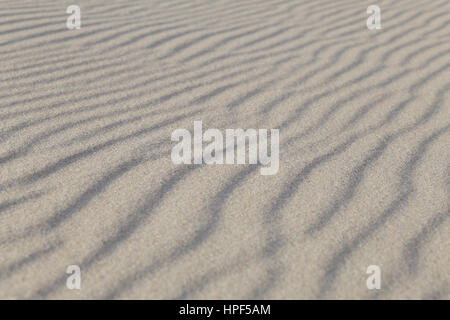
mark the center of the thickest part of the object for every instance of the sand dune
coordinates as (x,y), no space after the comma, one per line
(86,179)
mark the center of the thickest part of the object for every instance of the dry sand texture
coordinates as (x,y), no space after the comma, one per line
(86,174)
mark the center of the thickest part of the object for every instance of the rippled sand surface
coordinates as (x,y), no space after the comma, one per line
(86,176)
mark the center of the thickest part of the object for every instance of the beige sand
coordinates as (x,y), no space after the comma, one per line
(87,179)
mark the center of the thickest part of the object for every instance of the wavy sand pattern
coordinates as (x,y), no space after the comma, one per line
(86,175)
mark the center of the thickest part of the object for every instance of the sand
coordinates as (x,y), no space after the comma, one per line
(86,176)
